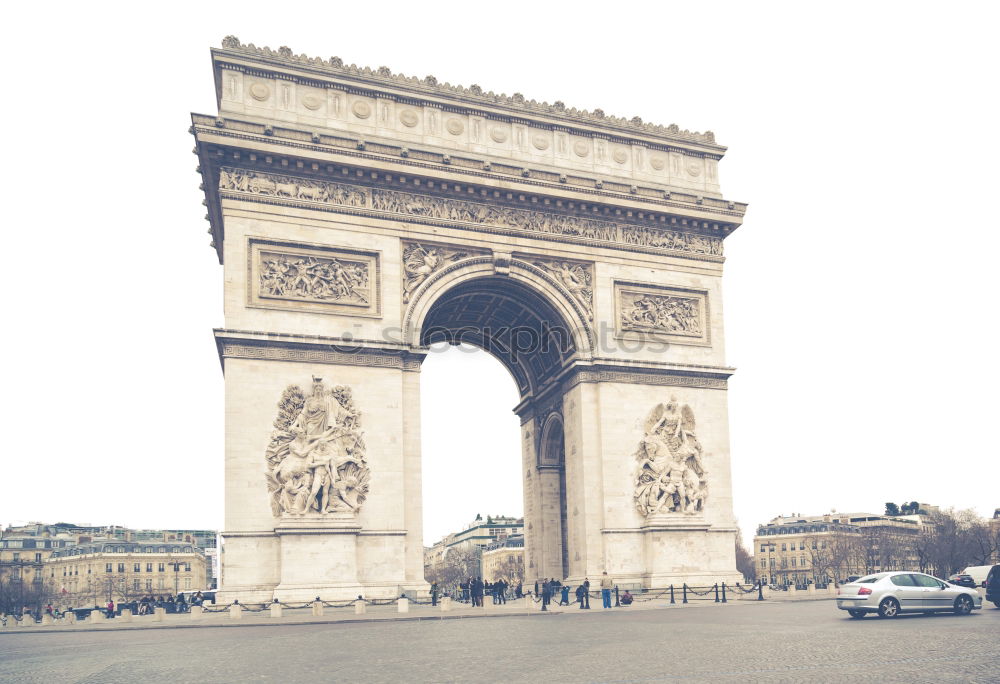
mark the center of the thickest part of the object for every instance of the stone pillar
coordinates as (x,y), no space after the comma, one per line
(197,612)
(811,590)
(46,620)
(236,612)
(69,617)
(403,605)
(276,609)
(360,606)
(97,617)
(317,608)
(445,604)
(126,615)
(529,603)
(159,614)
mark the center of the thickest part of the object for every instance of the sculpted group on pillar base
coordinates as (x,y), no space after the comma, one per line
(671,476)
(316,455)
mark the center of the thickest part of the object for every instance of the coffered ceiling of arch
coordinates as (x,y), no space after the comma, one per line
(509,321)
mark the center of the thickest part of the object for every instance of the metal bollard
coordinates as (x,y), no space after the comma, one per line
(672,602)
(617,602)
(685,588)
(276,609)
(716,592)
(760,590)
(724,593)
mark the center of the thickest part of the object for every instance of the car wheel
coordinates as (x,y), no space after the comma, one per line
(857,613)
(889,608)
(963,605)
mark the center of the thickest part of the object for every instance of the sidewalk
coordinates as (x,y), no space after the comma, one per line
(332,616)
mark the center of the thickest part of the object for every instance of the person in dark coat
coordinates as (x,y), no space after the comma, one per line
(586,594)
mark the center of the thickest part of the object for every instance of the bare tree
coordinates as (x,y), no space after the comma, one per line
(744,560)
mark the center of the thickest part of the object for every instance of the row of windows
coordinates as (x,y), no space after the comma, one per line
(784,562)
(17,557)
(791,547)
(76,551)
(137,567)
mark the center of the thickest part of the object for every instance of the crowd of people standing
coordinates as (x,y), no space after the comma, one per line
(474,589)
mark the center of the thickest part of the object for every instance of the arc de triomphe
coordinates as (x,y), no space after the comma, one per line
(362,215)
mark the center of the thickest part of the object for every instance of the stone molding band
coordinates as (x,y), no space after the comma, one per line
(233,345)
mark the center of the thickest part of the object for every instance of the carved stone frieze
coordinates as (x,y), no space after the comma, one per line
(292,187)
(316,454)
(671,477)
(463,211)
(290,275)
(673,314)
(576,277)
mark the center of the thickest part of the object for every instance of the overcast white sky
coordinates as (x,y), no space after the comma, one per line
(860,294)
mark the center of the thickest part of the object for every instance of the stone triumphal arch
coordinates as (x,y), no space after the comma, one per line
(361,216)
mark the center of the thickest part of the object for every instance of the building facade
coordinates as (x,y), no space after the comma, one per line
(95,572)
(830,547)
(504,559)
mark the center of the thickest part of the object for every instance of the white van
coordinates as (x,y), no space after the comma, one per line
(978,573)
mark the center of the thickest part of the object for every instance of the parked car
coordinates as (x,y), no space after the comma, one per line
(963,581)
(993,585)
(890,593)
(978,573)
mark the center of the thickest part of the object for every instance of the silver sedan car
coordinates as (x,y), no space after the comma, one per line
(892,593)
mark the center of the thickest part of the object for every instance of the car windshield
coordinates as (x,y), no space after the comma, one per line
(871,579)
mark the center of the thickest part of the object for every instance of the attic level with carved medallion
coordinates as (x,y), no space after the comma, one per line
(279,87)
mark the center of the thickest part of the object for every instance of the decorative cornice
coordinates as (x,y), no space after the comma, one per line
(234,344)
(474,94)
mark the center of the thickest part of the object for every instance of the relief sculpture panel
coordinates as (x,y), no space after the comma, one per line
(298,276)
(316,455)
(423,259)
(675,314)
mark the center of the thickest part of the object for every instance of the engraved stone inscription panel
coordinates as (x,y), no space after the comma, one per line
(284,275)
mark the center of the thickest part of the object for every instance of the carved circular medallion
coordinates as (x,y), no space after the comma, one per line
(498,134)
(361,109)
(694,168)
(408,118)
(311,102)
(260,92)
(581,149)
(657,163)
(455,126)
(540,142)
(620,155)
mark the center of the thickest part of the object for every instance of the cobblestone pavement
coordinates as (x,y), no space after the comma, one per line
(740,642)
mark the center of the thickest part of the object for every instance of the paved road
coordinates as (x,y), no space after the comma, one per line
(740,642)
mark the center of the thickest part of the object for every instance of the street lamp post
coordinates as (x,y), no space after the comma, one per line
(177,568)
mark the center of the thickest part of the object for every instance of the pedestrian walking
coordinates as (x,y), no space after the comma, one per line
(607,584)
(111,608)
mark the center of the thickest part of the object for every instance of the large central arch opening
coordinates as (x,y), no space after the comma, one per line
(522,329)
